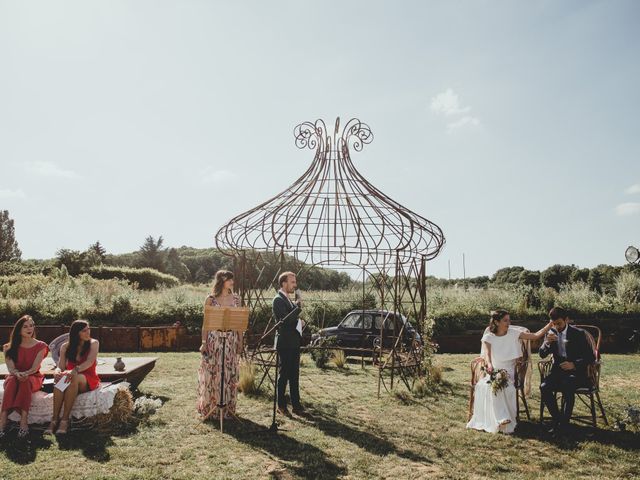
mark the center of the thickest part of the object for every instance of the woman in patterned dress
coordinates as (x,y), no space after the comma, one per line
(210,371)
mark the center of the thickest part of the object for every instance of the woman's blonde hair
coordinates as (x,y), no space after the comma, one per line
(496,316)
(221,277)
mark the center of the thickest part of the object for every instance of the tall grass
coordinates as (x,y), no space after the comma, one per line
(61,299)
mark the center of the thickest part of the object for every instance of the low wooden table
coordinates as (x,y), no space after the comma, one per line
(136,368)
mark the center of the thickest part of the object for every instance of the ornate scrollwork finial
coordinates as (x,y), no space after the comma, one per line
(357,133)
(311,135)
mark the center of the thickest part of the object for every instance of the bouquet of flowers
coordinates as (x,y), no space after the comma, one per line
(499,379)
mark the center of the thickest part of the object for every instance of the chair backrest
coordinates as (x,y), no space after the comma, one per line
(594,335)
(54,346)
(476,370)
(593,370)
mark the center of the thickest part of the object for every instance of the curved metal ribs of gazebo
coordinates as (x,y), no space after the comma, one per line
(332,214)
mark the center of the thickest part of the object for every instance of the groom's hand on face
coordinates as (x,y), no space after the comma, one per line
(567,366)
(552,337)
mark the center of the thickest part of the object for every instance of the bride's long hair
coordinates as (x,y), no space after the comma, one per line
(496,316)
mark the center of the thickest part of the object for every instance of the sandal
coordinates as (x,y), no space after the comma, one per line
(61,430)
(22,433)
(51,428)
(2,433)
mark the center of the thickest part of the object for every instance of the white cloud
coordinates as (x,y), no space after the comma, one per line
(5,193)
(626,209)
(633,189)
(448,103)
(466,120)
(209,175)
(50,169)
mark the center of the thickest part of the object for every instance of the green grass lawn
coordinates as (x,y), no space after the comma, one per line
(349,433)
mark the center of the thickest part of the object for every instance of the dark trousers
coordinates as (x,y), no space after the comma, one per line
(560,381)
(289,372)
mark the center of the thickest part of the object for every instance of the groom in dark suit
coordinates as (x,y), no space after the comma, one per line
(288,343)
(572,354)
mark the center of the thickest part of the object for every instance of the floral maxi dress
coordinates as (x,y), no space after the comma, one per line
(210,371)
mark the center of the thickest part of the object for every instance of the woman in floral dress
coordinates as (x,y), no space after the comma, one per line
(210,371)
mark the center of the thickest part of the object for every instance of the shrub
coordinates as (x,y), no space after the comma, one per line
(247,381)
(145,278)
(627,288)
(322,355)
(339,358)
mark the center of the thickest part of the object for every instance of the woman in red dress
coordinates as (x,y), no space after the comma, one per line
(23,356)
(77,366)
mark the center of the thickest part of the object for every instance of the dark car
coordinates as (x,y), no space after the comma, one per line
(361,329)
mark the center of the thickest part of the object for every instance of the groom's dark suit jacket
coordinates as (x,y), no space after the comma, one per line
(288,336)
(578,350)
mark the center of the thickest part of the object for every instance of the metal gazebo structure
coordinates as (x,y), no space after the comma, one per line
(331,216)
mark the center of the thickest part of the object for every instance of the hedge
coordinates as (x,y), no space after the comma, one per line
(145,278)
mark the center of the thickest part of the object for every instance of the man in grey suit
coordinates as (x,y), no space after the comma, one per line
(288,343)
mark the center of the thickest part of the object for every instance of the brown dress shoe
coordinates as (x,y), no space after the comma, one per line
(284,411)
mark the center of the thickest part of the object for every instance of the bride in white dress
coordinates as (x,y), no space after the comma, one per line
(501,349)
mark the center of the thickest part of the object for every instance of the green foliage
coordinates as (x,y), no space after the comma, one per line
(27,267)
(529,278)
(99,250)
(152,255)
(628,288)
(322,356)
(507,275)
(144,278)
(9,251)
(175,267)
(77,262)
(556,275)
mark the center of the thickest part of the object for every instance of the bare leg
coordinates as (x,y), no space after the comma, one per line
(58,398)
(3,419)
(78,385)
(24,419)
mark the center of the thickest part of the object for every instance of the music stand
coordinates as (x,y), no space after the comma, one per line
(224,319)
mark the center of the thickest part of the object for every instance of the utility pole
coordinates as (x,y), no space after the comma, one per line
(464,269)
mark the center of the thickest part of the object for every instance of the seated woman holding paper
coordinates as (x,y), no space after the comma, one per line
(76,373)
(23,356)
(210,371)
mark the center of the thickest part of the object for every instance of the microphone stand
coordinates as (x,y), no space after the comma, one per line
(222,406)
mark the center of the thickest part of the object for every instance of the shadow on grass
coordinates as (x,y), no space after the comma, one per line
(91,443)
(304,459)
(324,419)
(25,451)
(578,434)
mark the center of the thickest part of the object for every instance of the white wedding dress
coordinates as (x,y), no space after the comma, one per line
(491,410)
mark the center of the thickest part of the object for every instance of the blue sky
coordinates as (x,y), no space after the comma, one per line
(512,125)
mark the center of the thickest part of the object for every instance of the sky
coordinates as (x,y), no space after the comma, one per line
(512,125)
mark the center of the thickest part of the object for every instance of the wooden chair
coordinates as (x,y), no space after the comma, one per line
(590,392)
(519,377)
